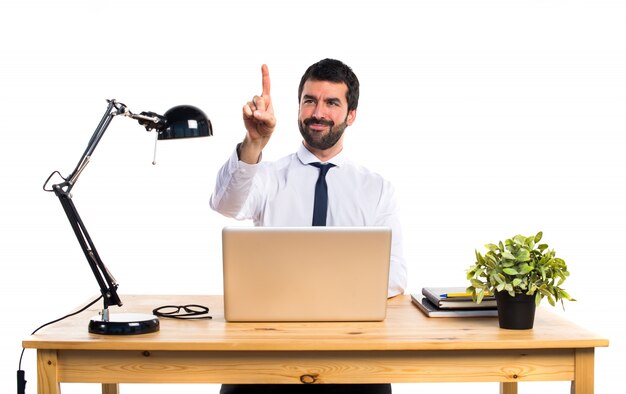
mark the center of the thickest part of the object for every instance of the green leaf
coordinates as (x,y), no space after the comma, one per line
(565,294)
(510,271)
(529,241)
(551,300)
(523,255)
(479,297)
(479,258)
(492,247)
(519,240)
(525,268)
(508,255)
(477,283)
(507,263)
(538,236)
(492,258)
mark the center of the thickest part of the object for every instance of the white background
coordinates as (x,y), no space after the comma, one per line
(491,118)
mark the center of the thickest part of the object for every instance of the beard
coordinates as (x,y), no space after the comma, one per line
(320,140)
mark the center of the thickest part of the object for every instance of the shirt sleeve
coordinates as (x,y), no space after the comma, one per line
(232,188)
(388,216)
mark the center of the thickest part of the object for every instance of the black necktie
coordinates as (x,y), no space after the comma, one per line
(320,207)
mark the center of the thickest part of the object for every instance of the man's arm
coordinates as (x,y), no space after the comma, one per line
(233,187)
(235,178)
(259,120)
(388,216)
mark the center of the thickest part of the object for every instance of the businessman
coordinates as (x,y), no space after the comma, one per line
(316,185)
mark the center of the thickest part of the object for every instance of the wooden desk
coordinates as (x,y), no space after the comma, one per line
(406,347)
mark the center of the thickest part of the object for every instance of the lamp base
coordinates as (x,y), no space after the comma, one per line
(124,324)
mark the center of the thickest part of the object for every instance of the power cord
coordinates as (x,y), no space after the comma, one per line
(21,377)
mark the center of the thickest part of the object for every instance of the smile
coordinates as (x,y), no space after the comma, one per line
(318,126)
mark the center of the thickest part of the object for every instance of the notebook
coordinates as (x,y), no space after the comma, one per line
(305,273)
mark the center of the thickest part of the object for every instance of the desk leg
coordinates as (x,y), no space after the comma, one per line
(508,387)
(47,376)
(583,371)
(112,388)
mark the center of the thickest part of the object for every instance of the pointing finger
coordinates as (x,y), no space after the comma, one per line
(266,80)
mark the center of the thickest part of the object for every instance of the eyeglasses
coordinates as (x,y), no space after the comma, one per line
(191,312)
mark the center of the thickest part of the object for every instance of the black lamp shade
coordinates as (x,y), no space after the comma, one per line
(185,121)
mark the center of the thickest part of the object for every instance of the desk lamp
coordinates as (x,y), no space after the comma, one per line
(182,121)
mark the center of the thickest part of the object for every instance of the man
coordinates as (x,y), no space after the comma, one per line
(283,193)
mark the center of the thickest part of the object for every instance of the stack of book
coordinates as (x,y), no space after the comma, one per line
(452,302)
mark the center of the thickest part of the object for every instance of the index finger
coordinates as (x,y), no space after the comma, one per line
(266,80)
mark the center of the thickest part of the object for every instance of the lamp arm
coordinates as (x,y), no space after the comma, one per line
(106,281)
(149,120)
(113,109)
(108,285)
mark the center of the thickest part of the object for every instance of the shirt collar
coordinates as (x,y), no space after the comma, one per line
(307,157)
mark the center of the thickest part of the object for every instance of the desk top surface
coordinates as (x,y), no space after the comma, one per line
(405,328)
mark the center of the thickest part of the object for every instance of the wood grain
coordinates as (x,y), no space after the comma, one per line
(405,328)
(315,367)
(406,347)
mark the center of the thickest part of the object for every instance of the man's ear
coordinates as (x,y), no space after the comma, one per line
(351,117)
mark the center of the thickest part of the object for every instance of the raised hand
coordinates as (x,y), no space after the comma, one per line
(259,120)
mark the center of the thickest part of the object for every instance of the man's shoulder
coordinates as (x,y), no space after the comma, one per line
(280,163)
(362,171)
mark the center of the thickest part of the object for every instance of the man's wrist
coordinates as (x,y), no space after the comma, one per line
(249,152)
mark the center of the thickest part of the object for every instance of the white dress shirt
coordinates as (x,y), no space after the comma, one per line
(281,193)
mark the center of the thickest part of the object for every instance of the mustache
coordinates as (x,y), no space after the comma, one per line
(314,120)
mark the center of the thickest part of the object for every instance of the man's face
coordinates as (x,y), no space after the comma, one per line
(323,114)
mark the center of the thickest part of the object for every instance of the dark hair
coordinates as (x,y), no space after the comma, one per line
(333,71)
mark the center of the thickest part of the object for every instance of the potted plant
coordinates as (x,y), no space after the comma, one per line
(520,272)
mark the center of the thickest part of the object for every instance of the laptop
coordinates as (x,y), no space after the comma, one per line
(297,274)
